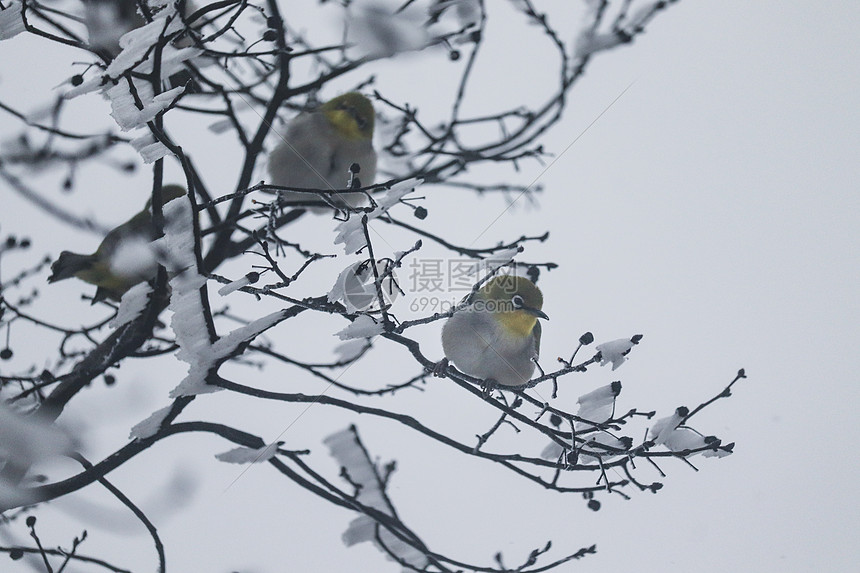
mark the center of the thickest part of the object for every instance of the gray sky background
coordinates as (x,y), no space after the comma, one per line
(714,208)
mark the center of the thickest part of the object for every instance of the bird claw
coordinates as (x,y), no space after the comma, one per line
(487,387)
(440,368)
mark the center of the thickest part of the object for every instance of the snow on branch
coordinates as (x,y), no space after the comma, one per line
(188,322)
(350,233)
(346,448)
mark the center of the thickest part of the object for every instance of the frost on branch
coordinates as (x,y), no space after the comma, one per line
(595,408)
(599,405)
(350,233)
(668,432)
(244,455)
(133,303)
(149,149)
(125,110)
(137,46)
(346,448)
(188,322)
(349,350)
(362,327)
(206,356)
(616,351)
(150,426)
(235,285)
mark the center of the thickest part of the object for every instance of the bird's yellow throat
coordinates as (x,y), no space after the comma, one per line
(518,323)
(345,124)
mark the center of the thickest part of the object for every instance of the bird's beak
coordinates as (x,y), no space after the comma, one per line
(537,312)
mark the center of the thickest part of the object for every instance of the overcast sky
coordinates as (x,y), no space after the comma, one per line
(714,208)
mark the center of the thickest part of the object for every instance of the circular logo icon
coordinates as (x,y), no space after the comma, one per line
(356,286)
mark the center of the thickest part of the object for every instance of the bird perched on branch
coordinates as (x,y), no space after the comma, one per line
(108,20)
(320,148)
(496,336)
(114,277)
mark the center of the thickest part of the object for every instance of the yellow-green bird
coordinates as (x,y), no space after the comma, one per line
(319,147)
(496,336)
(97,268)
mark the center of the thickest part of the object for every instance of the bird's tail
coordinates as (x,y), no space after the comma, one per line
(69,264)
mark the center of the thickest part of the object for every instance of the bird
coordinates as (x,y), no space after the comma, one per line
(320,147)
(109,20)
(495,334)
(97,268)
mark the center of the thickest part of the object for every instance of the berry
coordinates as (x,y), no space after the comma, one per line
(420,212)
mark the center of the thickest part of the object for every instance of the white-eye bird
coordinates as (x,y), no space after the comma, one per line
(496,336)
(108,20)
(97,268)
(320,146)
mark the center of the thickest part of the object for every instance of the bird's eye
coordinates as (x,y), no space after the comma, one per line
(362,123)
(517,301)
